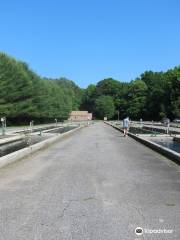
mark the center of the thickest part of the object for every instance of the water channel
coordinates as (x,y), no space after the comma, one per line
(29,140)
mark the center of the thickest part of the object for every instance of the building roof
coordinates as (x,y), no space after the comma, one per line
(79,113)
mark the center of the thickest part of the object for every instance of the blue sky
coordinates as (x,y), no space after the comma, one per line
(89,40)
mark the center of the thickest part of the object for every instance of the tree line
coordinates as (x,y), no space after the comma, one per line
(25,96)
(152,96)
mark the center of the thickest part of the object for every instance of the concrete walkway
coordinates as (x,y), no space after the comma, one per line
(93,185)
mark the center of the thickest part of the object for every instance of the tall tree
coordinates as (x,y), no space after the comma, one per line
(137,93)
(104,107)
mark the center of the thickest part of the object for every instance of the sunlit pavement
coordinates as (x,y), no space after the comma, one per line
(93,185)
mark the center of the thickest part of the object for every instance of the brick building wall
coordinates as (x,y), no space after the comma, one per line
(80,116)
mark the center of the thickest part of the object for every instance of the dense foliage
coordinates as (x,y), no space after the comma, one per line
(104,106)
(153,96)
(25,96)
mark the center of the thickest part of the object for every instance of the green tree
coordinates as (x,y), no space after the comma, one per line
(25,96)
(136,99)
(104,107)
(88,99)
(108,87)
(155,95)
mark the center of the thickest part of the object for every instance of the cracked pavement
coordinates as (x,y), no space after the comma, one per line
(92,185)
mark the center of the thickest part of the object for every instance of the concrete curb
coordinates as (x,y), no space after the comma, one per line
(10,140)
(174,156)
(57,128)
(53,129)
(15,156)
(177,139)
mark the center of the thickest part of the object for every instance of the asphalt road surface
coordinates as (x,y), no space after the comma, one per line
(92,185)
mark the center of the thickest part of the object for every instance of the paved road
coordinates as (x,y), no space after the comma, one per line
(93,185)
